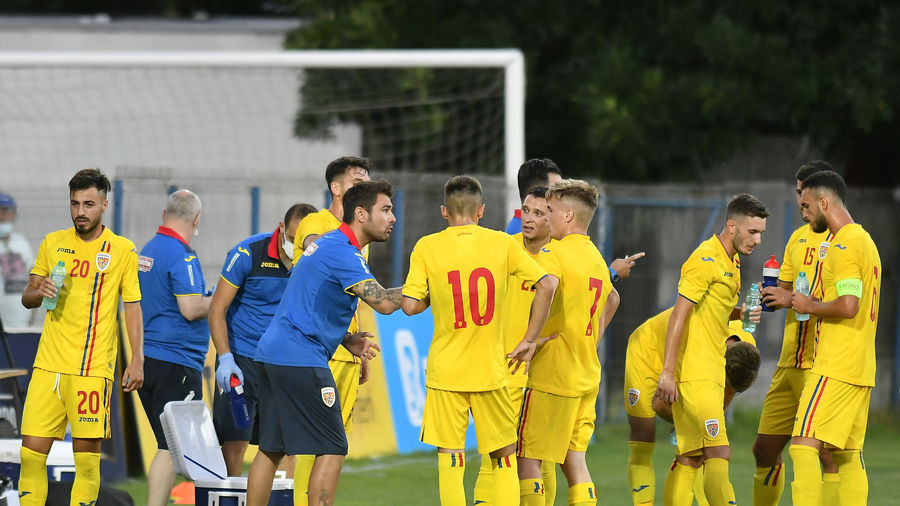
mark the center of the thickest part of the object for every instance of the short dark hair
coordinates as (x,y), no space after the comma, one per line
(811,167)
(745,205)
(298,212)
(539,192)
(340,166)
(741,365)
(534,173)
(364,195)
(826,181)
(89,178)
(462,195)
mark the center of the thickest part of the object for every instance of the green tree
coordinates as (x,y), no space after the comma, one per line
(659,90)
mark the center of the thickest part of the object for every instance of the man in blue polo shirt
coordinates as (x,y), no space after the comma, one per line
(176,333)
(254,277)
(299,411)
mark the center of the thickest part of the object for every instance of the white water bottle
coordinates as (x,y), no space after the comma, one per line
(58,276)
(753,301)
(802,286)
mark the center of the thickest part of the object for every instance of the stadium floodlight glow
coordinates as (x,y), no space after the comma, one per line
(511,61)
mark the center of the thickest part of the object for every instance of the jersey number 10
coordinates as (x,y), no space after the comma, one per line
(459,311)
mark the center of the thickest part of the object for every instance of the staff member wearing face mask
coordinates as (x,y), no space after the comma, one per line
(16,259)
(176,333)
(254,277)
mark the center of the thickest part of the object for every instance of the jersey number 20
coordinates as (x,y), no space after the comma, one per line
(459,311)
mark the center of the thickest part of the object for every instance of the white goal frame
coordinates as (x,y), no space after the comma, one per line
(512,61)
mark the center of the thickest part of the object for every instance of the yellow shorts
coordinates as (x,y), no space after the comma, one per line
(782,401)
(516,396)
(446,419)
(551,425)
(54,399)
(833,412)
(346,377)
(699,416)
(641,376)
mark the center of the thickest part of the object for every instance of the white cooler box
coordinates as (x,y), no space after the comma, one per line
(196,455)
(60,461)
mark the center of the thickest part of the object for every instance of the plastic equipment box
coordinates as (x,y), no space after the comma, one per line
(196,455)
(60,461)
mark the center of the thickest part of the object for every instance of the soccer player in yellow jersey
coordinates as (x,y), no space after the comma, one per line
(834,406)
(558,413)
(797,351)
(643,363)
(464,272)
(76,358)
(693,376)
(535,235)
(349,371)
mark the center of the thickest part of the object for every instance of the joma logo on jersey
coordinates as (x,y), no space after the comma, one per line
(729,274)
(88,419)
(801,241)
(66,250)
(270,265)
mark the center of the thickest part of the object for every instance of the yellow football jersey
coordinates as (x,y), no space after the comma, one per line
(79,336)
(846,349)
(802,255)
(712,281)
(516,312)
(652,334)
(320,223)
(736,328)
(466,270)
(568,365)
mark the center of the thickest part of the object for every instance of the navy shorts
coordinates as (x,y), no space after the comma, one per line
(299,411)
(222,417)
(165,382)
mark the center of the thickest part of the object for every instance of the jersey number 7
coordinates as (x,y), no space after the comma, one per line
(459,311)
(595,284)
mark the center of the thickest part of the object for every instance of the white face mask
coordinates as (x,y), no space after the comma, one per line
(288,248)
(5,229)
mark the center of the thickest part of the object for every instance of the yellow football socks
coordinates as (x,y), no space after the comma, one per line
(768,485)
(807,485)
(484,485)
(302,471)
(719,491)
(451,469)
(32,478)
(87,479)
(583,494)
(854,481)
(831,490)
(640,472)
(679,488)
(506,480)
(548,474)
(699,494)
(531,492)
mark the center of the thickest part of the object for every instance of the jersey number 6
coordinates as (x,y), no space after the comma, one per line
(474,299)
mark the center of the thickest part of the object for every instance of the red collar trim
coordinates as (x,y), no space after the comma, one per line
(347,231)
(518,214)
(171,233)
(274,245)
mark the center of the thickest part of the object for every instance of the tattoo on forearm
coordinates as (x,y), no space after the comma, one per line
(374,294)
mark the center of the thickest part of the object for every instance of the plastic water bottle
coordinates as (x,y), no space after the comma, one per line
(239,405)
(752,303)
(58,277)
(802,286)
(770,278)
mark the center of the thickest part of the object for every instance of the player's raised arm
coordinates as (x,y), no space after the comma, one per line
(666,389)
(384,300)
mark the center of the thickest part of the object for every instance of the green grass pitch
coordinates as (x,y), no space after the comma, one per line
(412,479)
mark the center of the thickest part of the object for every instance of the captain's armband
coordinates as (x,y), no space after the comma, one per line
(849,287)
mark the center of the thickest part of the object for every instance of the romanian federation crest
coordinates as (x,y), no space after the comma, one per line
(712,427)
(328,396)
(823,249)
(633,395)
(103,261)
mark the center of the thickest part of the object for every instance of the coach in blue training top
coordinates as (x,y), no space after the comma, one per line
(254,277)
(299,412)
(176,334)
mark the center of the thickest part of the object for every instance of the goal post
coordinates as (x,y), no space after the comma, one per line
(511,61)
